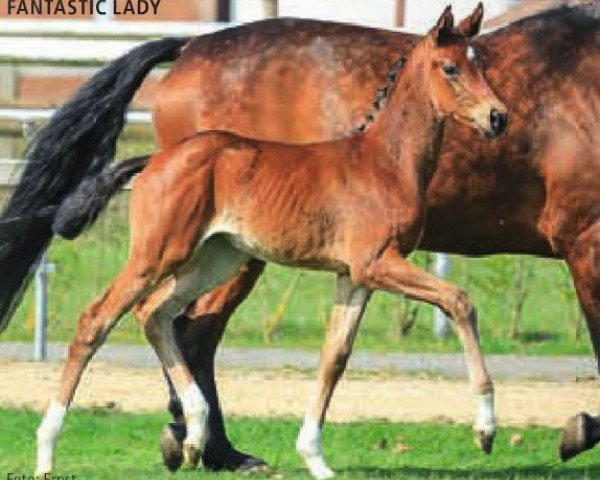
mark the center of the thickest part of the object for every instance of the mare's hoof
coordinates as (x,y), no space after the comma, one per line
(485,441)
(231,460)
(191,456)
(216,459)
(171,445)
(254,465)
(575,437)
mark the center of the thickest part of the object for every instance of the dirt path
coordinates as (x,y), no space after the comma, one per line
(452,366)
(285,393)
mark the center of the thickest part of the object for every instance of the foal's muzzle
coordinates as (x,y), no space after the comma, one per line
(498,122)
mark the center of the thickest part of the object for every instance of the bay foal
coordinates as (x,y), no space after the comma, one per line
(354,206)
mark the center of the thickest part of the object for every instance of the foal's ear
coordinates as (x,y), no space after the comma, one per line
(471,25)
(444,25)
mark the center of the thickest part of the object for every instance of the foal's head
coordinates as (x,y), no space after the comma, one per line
(453,78)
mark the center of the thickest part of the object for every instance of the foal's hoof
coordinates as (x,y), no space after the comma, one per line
(254,465)
(171,445)
(485,441)
(191,456)
(318,468)
(42,474)
(577,436)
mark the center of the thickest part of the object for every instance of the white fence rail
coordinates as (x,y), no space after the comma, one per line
(59,41)
(110,30)
(35,115)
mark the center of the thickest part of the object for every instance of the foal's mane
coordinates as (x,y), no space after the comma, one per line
(383,93)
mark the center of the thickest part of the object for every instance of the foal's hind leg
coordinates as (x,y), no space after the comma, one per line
(350,304)
(165,229)
(395,274)
(95,323)
(215,262)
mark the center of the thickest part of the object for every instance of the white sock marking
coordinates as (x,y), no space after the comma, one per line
(486,421)
(195,410)
(47,435)
(308,446)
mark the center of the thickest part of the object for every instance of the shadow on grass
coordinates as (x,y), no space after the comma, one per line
(537,337)
(499,474)
(534,472)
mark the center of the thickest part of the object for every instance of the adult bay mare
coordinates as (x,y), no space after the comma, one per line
(199,240)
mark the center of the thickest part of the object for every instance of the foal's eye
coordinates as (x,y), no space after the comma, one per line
(451,70)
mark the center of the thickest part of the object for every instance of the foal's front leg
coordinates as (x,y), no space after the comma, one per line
(395,274)
(350,304)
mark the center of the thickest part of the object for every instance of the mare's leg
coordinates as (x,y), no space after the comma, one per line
(211,265)
(95,323)
(198,333)
(582,432)
(347,312)
(395,274)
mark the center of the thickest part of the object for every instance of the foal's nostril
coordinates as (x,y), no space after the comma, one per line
(498,121)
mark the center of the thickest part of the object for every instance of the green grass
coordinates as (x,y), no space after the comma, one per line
(85,266)
(102,445)
(549,324)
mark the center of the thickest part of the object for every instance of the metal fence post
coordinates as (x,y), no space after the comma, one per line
(441,323)
(40,349)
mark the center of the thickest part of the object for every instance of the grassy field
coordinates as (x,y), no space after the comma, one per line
(100,445)
(290,309)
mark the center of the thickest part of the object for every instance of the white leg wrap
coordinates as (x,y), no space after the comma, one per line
(195,410)
(486,418)
(308,446)
(47,435)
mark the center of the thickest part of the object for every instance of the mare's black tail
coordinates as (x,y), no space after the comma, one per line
(78,142)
